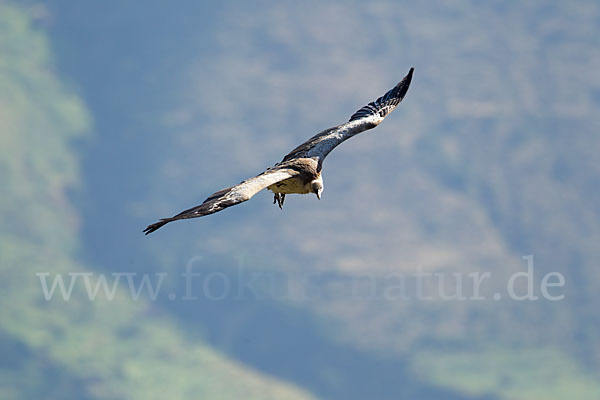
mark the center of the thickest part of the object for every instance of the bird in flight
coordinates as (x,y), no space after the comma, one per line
(299,171)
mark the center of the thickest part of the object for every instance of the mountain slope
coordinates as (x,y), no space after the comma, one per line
(100,349)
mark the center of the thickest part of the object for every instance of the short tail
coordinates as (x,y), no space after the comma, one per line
(151,228)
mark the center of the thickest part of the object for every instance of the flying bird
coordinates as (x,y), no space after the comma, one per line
(299,171)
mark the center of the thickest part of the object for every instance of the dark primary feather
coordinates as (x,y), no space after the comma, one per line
(368,117)
(386,103)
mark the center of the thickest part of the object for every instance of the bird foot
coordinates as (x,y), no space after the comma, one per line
(279,199)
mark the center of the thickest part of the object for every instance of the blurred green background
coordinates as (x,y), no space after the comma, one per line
(113,114)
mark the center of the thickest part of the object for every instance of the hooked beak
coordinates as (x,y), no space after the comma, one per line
(318,193)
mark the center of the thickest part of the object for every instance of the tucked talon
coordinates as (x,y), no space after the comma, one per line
(278,198)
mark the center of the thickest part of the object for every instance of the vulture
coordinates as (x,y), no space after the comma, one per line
(299,171)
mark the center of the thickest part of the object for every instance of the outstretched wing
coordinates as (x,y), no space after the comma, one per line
(368,117)
(230,196)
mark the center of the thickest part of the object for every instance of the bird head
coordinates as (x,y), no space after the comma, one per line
(317,188)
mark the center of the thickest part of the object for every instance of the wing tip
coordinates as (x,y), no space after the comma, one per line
(405,83)
(396,94)
(153,227)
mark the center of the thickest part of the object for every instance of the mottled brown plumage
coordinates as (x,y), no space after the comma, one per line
(300,170)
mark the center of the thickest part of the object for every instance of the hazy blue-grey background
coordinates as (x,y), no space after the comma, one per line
(113,114)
